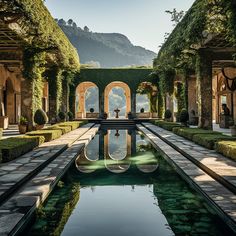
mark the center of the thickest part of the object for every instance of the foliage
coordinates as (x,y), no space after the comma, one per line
(39,30)
(184,116)
(168,114)
(70,115)
(91,110)
(49,135)
(73,124)
(62,115)
(64,129)
(23,120)
(40,117)
(180,96)
(167,125)
(142,110)
(11,148)
(227,148)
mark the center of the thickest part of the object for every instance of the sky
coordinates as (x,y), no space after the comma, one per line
(144,22)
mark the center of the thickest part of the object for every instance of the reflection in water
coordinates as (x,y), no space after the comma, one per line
(117,151)
(117,144)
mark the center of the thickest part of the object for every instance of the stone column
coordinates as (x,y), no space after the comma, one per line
(101,102)
(133,102)
(204,88)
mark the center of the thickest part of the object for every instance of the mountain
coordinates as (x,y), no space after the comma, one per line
(105,49)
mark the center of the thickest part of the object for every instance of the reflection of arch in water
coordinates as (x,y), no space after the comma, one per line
(84,165)
(149,168)
(91,151)
(127,93)
(117,147)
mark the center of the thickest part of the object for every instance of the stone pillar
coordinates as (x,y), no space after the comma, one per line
(204,88)
(27,100)
(133,102)
(101,102)
(1,100)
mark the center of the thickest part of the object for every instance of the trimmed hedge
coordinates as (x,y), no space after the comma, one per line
(190,132)
(166,125)
(49,135)
(73,124)
(64,129)
(227,148)
(11,148)
(210,140)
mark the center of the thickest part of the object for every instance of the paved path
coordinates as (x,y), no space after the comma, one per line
(219,167)
(17,210)
(218,196)
(16,172)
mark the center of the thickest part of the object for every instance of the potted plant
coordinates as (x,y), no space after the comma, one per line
(184,117)
(70,115)
(168,115)
(91,110)
(62,116)
(142,110)
(22,125)
(40,118)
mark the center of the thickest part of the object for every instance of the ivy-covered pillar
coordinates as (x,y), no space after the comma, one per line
(65,95)
(204,88)
(72,98)
(32,84)
(160,106)
(55,92)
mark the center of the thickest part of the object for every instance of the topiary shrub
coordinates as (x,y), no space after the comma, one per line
(142,110)
(40,117)
(91,110)
(62,116)
(49,135)
(70,116)
(168,114)
(184,116)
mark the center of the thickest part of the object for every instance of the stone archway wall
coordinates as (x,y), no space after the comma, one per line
(81,91)
(127,92)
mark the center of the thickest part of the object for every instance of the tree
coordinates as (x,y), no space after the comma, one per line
(70,22)
(74,25)
(61,22)
(86,29)
(176,16)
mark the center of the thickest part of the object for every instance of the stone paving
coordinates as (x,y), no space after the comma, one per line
(215,164)
(18,209)
(16,172)
(218,196)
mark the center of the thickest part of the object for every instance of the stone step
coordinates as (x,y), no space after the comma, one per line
(15,173)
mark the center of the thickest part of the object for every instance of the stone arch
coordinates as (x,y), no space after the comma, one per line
(127,93)
(80,93)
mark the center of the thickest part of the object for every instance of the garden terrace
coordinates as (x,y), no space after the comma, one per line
(195,53)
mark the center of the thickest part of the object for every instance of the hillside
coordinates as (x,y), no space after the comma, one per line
(106,49)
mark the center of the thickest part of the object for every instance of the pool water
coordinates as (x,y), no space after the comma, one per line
(122,186)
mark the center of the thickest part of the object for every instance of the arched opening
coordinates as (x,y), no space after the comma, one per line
(146,100)
(87,100)
(9,102)
(117,97)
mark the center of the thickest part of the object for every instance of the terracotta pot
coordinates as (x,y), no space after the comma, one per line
(22,128)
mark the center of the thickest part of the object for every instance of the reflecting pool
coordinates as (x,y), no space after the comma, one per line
(120,185)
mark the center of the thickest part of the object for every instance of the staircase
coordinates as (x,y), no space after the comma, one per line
(118,124)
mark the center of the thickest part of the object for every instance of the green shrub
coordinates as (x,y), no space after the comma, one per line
(167,125)
(209,140)
(73,124)
(227,148)
(40,117)
(184,116)
(49,135)
(11,148)
(168,114)
(64,129)
(190,132)
(70,115)
(62,115)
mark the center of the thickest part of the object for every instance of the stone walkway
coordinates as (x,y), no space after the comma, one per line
(218,196)
(17,210)
(16,172)
(219,167)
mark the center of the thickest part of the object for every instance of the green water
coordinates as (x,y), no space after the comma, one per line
(124,189)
